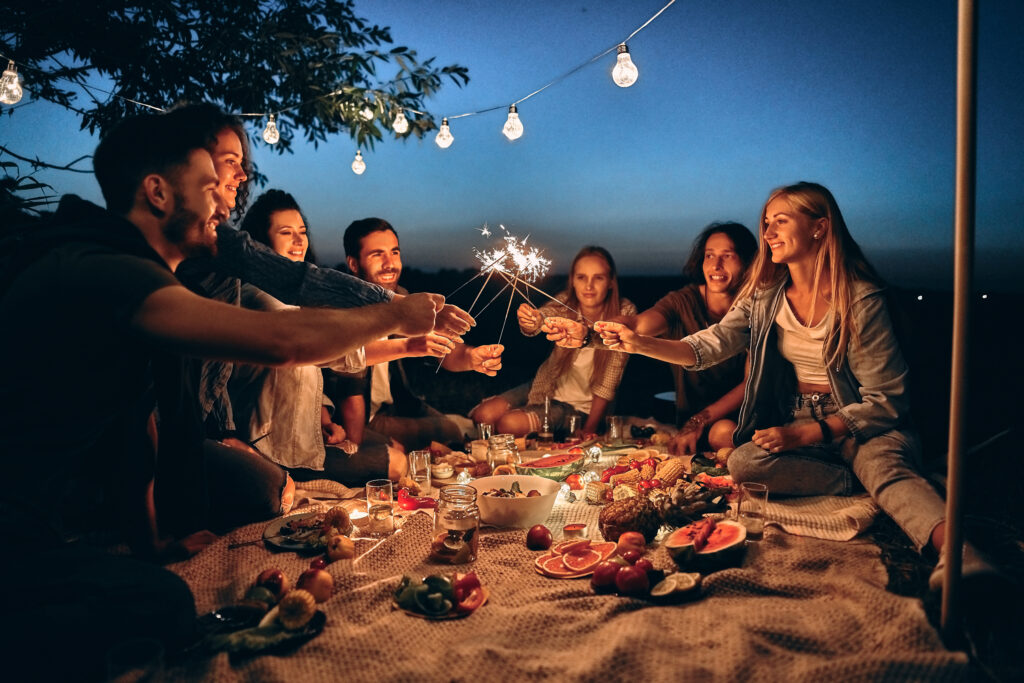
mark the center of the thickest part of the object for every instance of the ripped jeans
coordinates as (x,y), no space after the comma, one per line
(883,465)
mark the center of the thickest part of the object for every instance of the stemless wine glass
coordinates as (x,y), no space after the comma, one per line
(380,513)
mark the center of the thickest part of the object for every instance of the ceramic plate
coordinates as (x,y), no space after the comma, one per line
(279,535)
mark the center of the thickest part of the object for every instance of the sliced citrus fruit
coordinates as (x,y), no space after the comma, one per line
(606,549)
(666,586)
(583,560)
(570,546)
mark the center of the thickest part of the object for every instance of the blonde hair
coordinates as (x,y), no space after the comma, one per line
(563,356)
(838,255)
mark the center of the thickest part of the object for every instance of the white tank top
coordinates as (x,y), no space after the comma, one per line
(803,346)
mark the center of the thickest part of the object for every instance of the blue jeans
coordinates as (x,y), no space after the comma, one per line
(883,465)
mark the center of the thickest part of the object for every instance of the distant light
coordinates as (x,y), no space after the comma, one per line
(401,124)
(444,137)
(984,296)
(270,133)
(358,165)
(367,112)
(10,87)
(513,129)
(625,72)
(920,297)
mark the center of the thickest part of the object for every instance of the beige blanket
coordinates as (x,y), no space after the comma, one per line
(799,609)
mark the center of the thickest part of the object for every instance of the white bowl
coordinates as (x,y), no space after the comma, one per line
(515,512)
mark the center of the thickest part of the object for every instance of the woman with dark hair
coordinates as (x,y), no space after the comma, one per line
(580,380)
(826,409)
(706,402)
(275,220)
(288,406)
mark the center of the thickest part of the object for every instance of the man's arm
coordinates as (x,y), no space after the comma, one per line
(296,283)
(185,323)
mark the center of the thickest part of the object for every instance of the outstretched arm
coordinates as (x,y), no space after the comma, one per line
(183,322)
(485,359)
(618,337)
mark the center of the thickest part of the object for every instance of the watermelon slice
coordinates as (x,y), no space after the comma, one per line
(556,467)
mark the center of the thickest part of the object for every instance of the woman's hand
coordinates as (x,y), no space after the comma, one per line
(617,336)
(530,319)
(487,358)
(565,332)
(779,439)
(430,344)
(453,322)
(684,443)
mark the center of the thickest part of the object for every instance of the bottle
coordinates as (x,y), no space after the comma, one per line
(456,526)
(545,437)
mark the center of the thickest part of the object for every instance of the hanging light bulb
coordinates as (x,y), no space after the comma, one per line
(625,72)
(10,88)
(358,165)
(270,133)
(401,124)
(366,112)
(444,137)
(513,128)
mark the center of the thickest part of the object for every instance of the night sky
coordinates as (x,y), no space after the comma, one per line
(734,98)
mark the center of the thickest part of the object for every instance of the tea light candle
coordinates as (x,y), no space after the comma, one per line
(574,530)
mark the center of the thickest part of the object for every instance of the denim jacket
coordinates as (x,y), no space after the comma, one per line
(869,385)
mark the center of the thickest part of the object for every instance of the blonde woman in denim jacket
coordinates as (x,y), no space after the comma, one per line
(825,406)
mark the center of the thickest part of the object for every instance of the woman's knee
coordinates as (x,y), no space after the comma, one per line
(720,434)
(746,463)
(515,422)
(490,410)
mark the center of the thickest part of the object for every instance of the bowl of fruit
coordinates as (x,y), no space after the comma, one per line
(515,500)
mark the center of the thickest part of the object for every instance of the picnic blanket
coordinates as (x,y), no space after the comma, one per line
(798,609)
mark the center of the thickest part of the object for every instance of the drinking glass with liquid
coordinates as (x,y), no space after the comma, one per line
(751,508)
(379,510)
(419,470)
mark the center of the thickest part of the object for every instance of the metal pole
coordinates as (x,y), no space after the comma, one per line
(963,256)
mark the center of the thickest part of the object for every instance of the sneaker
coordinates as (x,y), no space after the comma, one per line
(973,565)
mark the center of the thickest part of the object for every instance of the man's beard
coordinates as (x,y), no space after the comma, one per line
(187,232)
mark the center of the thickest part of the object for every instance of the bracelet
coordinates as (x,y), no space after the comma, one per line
(826,431)
(694,423)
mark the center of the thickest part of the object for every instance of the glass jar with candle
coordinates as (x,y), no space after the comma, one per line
(501,450)
(456,526)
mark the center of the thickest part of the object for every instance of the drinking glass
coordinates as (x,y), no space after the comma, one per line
(615,429)
(380,513)
(419,470)
(751,508)
(484,430)
(574,425)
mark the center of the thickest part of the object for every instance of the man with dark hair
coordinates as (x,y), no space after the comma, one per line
(93,299)
(381,396)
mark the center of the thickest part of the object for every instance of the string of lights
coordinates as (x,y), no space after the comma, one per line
(624,74)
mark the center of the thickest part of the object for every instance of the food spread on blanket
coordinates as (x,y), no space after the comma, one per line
(310,531)
(440,596)
(271,615)
(513,491)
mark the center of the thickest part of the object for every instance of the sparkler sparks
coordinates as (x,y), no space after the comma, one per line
(527,264)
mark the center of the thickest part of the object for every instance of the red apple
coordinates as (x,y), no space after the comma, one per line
(632,581)
(644,564)
(274,580)
(604,575)
(538,537)
(631,540)
(318,563)
(319,583)
(632,555)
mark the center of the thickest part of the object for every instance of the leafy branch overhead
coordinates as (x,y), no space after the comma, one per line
(315,63)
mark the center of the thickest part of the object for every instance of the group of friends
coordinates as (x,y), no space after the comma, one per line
(177,362)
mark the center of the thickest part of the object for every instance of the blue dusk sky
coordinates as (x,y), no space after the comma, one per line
(734,98)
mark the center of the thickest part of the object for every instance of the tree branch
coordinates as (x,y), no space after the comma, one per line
(37,163)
